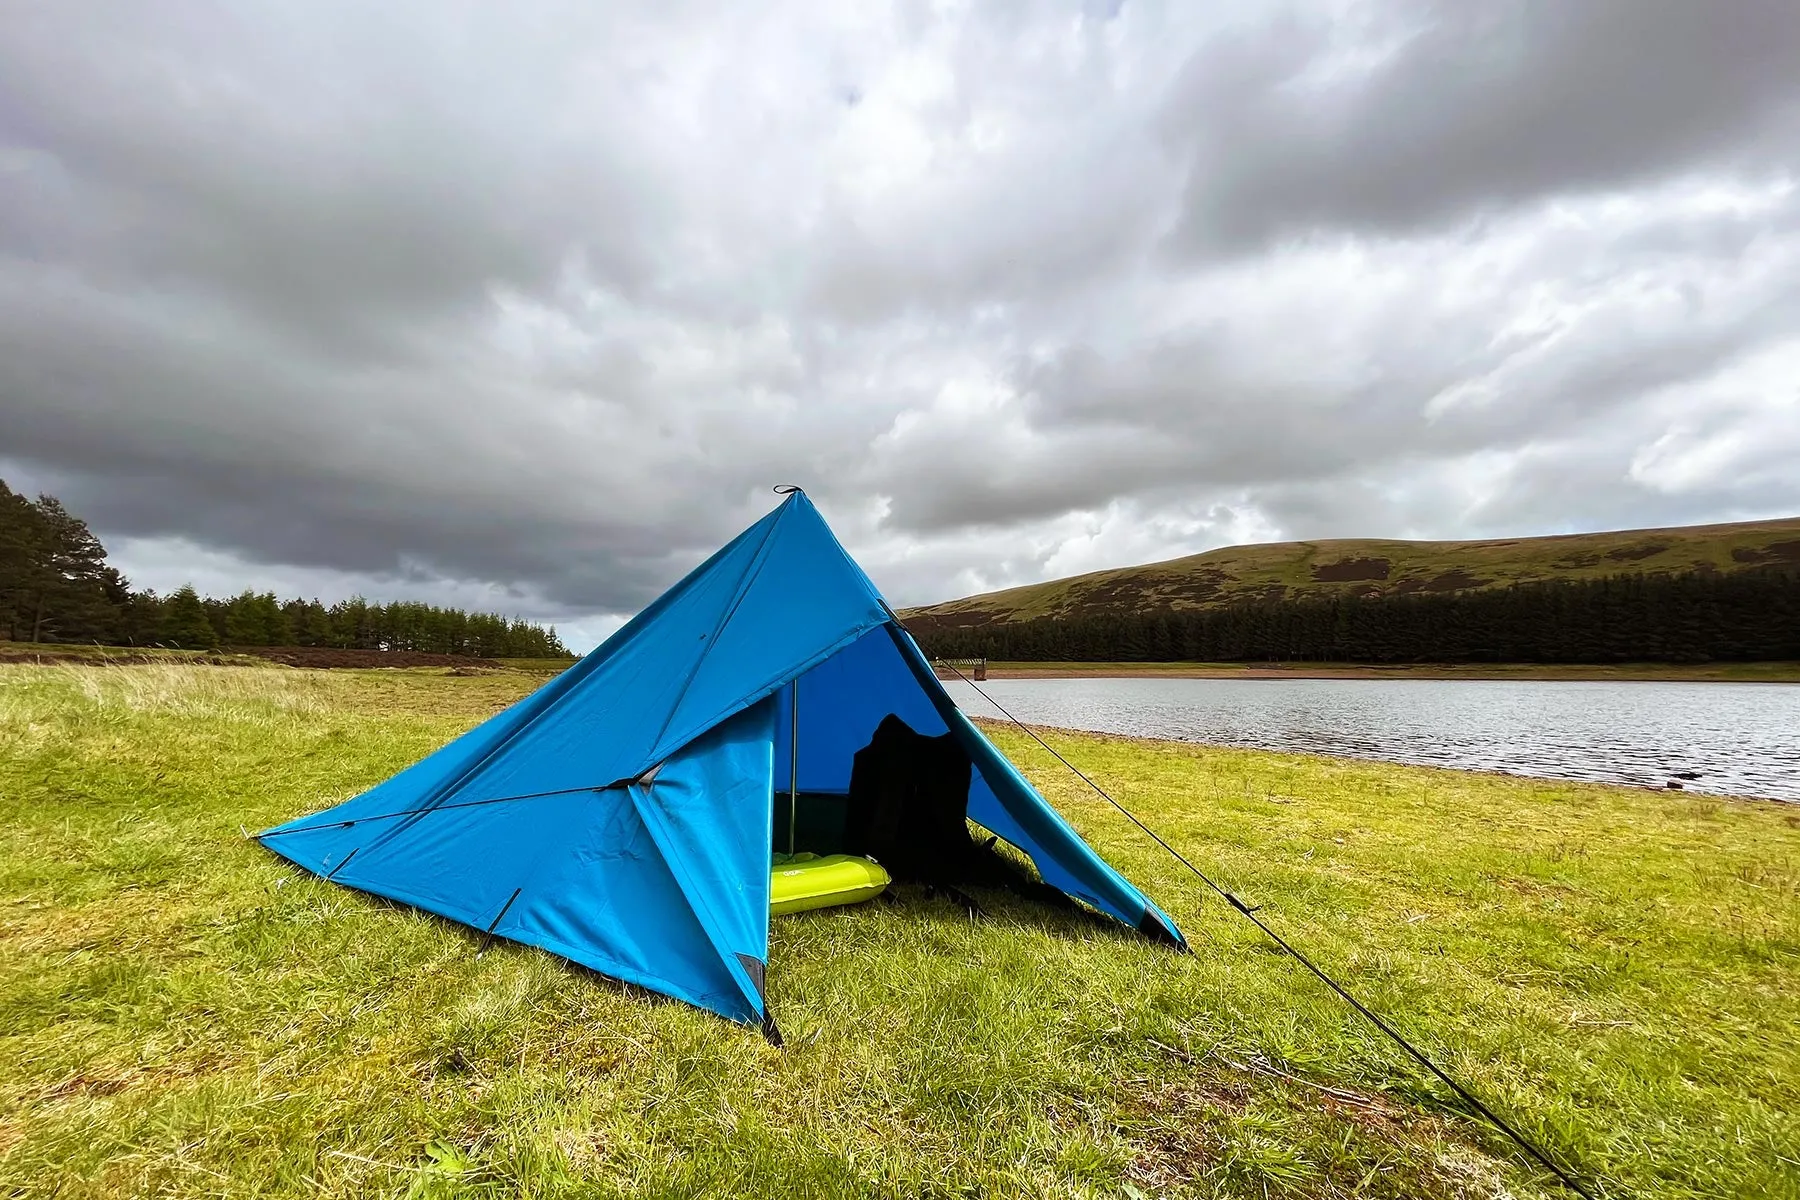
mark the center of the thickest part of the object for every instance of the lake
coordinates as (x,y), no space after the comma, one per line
(1738,739)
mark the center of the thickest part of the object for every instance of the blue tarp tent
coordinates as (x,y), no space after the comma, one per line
(622,815)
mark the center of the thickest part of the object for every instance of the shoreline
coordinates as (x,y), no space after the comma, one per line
(992,725)
(1755,672)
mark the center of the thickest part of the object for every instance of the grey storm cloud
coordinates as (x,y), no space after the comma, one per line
(536,301)
(1420,113)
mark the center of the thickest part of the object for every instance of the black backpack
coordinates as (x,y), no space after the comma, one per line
(909,807)
(909,800)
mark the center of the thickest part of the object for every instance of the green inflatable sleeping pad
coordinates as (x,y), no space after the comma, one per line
(807,881)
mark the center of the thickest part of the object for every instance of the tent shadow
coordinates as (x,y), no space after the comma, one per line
(996,906)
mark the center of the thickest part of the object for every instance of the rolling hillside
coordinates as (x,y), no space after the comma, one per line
(1370,566)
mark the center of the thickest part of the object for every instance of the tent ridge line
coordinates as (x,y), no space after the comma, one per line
(766,689)
(751,570)
(559,688)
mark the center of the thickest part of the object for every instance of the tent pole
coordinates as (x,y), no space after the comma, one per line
(793,764)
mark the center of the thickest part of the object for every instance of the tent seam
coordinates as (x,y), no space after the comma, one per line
(769,688)
(751,570)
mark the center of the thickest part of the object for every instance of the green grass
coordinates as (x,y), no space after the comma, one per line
(182,1014)
(1295,569)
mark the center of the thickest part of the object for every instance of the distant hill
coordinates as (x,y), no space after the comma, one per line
(1368,567)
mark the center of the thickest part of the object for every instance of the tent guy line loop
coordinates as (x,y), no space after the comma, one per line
(1249,913)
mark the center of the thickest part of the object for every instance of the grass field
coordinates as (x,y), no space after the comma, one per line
(182,1014)
(1292,570)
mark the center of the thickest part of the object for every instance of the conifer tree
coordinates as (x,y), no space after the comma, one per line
(243,620)
(21,547)
(272,623)
(185,624)
(140,618)
(57,582)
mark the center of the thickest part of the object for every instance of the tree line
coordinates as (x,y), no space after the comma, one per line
(1744,616)
(56,586)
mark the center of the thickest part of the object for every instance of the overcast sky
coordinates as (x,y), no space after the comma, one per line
(526,306)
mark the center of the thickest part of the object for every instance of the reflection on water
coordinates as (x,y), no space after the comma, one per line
(1738,739)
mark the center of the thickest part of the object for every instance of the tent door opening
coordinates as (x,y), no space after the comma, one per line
(855,777)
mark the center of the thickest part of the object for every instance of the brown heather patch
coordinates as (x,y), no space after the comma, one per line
(1774,552)
(1351,570)
(1235,1131)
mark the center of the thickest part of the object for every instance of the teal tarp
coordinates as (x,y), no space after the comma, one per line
(621,815)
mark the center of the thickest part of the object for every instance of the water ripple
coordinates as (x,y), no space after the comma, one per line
(1734,739)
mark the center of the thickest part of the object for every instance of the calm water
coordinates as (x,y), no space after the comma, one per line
(1738,739)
